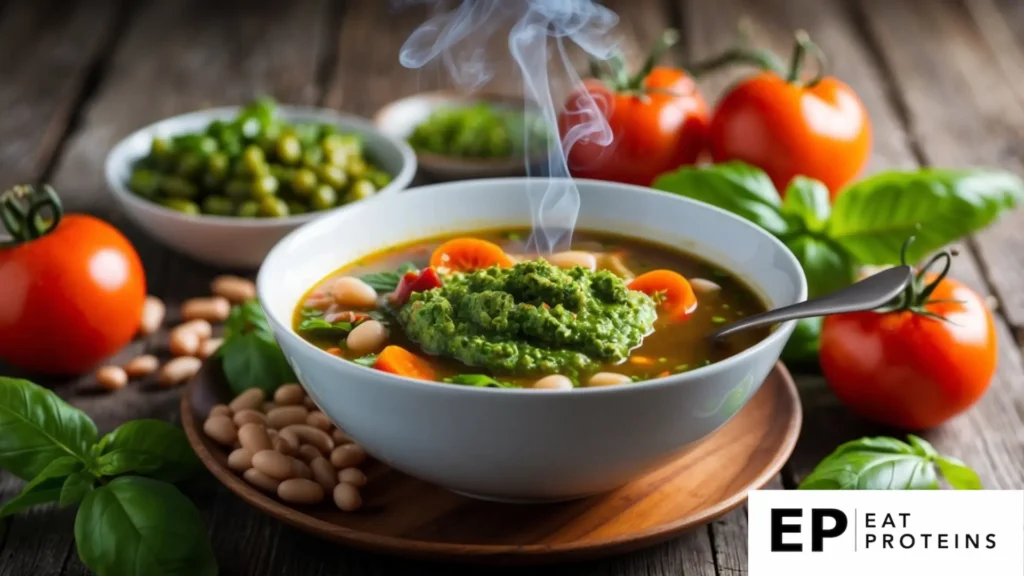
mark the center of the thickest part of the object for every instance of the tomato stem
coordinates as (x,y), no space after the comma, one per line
(665,42)
(619,79)
(918,294)
(756,57)
(21,213)
(801,47)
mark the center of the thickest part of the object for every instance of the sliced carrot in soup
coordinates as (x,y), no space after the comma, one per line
(468,254)
(401,362)
(670,290)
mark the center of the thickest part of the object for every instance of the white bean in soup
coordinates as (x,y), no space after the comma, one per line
(601,311)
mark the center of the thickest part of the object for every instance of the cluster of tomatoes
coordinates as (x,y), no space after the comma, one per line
(913,365)
(777,119)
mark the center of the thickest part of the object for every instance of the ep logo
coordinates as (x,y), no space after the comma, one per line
(787,528)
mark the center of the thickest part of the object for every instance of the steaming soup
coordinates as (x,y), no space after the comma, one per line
(480,311)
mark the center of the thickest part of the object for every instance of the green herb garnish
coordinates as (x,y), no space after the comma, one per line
(323,328)
(250,356)
(388,281)
(131,519)
(368,360)
(478,380)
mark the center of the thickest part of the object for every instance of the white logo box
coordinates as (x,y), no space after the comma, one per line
(899,533)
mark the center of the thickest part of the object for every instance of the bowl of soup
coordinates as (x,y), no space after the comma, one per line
(430,328)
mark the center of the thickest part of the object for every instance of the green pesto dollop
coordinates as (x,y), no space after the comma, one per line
(530,319)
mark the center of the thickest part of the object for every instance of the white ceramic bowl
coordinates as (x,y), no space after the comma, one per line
(400,118)
(522,444)
(224,240)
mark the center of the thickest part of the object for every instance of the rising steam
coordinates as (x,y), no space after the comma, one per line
(541,31)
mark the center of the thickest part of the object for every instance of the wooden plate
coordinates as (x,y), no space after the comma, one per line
(403,515)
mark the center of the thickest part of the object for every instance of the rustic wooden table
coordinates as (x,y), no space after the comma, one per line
(941,80)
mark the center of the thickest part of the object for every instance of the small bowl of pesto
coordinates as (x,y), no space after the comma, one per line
(461,136)
(425,327)
(224,185)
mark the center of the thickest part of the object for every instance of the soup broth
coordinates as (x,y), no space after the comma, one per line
(671,346)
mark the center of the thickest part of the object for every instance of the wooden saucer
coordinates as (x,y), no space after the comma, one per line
(403,515)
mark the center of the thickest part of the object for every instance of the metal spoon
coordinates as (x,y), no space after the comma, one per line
(868,294)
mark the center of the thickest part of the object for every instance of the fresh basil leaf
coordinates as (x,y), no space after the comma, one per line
(388,281)
(149,447)
(323,328)
(45,487)
(958,474)
(860,466)
(76,487)
(478,380)
(136,525)
(828,267)
(37,427)
(736,187)
(244,318)
(809,200)
(801,351)
(874,217)
(254,360)
(921,446)
(368,360)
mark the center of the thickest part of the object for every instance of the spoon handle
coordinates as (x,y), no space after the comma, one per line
(868,294)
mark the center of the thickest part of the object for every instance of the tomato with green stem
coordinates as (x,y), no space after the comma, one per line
(788,125)
(73,286)
(632,128)
(917,363)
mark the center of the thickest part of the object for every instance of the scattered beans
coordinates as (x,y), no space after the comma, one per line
(201,328)
(179,369)
(111,378)
(221,429)
(240,460)
(300,491)
(283,416)
(251,399)
(249,416)
(573,258)
(235,288)
(308,435)
(219,410)
(309,453)
(368,337)
(553,382)
(209,347)
(142,366)
(153,312)
(346,497)
(347,456)
(353,476)
(273,464)
(211,309)
(353,292)
(289,394)
(184,342)
(340,437)
(318,419)
(608,379)
(261,480)
(324,473)
(254,438)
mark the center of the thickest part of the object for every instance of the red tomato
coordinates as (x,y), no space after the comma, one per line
(788,128)
(71,297)
(657,119)
(907,369)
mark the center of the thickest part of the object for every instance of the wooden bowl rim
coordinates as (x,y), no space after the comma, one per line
(453,551)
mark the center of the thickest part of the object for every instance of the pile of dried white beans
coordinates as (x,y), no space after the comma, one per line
(288,447)
(189,343)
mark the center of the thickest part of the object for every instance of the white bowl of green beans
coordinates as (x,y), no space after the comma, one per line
(223,185)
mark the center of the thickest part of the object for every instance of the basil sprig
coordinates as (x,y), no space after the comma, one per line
(889,464)
(388,281)
(867,225)
(250,357)
(131,519)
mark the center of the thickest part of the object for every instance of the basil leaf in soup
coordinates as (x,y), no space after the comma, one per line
(368,360)
(478,380)
(45,487)
(136,525)
(736,187)
(322,328)
(149,447)
(388,281)
(874,217)
(38,428)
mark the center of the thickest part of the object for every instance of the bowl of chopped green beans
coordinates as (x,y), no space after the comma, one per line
(223,185)
(458,136)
